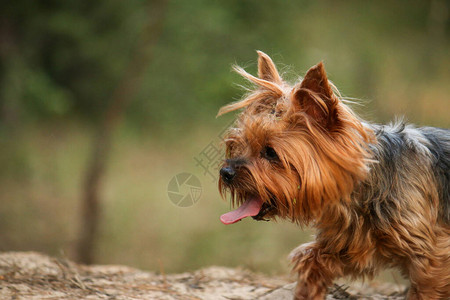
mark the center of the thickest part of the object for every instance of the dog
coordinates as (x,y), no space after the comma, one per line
(377,195)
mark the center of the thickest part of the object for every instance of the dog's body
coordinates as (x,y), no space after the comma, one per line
(398,217)
(379,196)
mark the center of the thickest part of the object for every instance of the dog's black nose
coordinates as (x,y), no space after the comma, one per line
(227,174)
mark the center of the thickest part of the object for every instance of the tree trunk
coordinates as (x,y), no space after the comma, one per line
(101,145)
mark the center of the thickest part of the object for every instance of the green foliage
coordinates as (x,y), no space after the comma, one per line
(66,58)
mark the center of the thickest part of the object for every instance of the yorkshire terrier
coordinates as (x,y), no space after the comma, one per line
(378,195)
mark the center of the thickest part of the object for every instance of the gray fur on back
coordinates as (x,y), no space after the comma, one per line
(403,147)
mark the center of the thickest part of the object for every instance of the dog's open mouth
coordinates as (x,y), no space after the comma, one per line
(253,207)
(267,209)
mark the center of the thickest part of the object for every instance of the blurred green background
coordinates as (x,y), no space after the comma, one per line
(135,85)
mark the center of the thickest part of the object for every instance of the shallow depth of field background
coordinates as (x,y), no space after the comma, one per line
(63,64)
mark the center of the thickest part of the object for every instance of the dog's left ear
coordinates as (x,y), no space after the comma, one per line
(315,97)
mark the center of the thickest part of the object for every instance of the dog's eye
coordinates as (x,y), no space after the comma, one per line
(269,153)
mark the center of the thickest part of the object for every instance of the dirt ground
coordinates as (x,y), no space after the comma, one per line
(30,275)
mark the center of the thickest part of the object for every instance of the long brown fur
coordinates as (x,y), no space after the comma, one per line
(332,171)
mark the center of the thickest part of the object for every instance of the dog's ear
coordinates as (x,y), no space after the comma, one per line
(315,97)
(267,69)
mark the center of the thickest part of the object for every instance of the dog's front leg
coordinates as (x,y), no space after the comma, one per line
(315,270)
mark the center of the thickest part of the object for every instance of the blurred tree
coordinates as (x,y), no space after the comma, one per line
(123,94)
(64,58)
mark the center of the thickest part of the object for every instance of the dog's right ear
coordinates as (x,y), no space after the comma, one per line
(267,69)
(269,84)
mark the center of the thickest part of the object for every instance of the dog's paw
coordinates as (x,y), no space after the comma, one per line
(305,291)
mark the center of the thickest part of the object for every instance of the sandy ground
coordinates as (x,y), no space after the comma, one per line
(29,275)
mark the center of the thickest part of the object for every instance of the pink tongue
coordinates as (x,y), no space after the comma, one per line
(249,208)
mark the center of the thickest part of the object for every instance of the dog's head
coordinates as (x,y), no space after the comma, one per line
(293,149)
